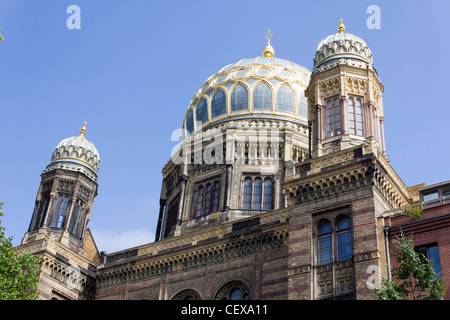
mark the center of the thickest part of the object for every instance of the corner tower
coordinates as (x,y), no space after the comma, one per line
(66,194)
(344,95)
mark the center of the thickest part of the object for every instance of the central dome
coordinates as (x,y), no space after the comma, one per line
(261,87)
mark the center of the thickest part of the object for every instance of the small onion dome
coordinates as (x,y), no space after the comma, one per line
(76,151)
(342,47)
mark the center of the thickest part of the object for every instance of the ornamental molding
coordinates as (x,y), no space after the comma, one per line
(356,86)
(345,171)
(343,62)
(330,87)
(192,258)
(70,166)
(346,46)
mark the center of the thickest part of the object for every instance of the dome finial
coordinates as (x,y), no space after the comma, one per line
(83,129)
(341,27)
(268,50)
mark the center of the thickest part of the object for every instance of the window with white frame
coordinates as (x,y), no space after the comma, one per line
(355,122)
(333,116)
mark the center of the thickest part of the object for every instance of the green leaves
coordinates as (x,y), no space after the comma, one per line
(18,278)
(414,277)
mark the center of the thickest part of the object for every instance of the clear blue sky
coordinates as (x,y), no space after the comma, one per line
(133,67)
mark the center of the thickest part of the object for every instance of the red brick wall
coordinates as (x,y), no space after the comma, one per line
(432,227)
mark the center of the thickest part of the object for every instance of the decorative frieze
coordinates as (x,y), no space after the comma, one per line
(66,185)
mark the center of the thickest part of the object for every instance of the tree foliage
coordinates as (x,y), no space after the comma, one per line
(414,278)
(18,277)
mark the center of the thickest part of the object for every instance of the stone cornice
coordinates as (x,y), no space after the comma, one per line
(365,163)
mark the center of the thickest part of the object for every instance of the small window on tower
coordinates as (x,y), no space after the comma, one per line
(333,117)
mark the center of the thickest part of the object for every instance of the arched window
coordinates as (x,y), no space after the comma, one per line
(77,219)
(333,117)
(236,294)
(325,248)
(235,290)
(202,111)
(218,104)
(343,239)
(190,122)
(215,206)
(355,123)
(247,198)
(208,198)
(198,207)
(285,99)
(302,105)
(268,191)
(59,214)
(187,294)
(172,215)
(262,97)
(257,194)
(239,98)
(40,209)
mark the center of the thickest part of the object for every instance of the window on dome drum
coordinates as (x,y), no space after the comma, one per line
(285,99)
(355,123)
(333,117)
(257,194)
(262,97)
(218,104)
(202,111)
(59,214)
(76,222)
(268,194)
(302,105)
(247,198)
(207,199)
(190,122)
(340,236)
(239,98)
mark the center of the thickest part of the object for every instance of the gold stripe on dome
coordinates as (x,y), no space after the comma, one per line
(341,53)
(236,113)
(53,160)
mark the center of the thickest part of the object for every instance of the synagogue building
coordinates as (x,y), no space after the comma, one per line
(280,189)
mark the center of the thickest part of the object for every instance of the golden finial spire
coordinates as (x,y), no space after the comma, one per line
(268,36)
(1,38)
(83,129)
(341,27)
(268,50)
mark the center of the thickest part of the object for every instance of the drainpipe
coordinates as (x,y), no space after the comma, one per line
(386,242)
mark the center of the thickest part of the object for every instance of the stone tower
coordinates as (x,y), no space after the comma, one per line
(338,196)
(58,227)
(344,95)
